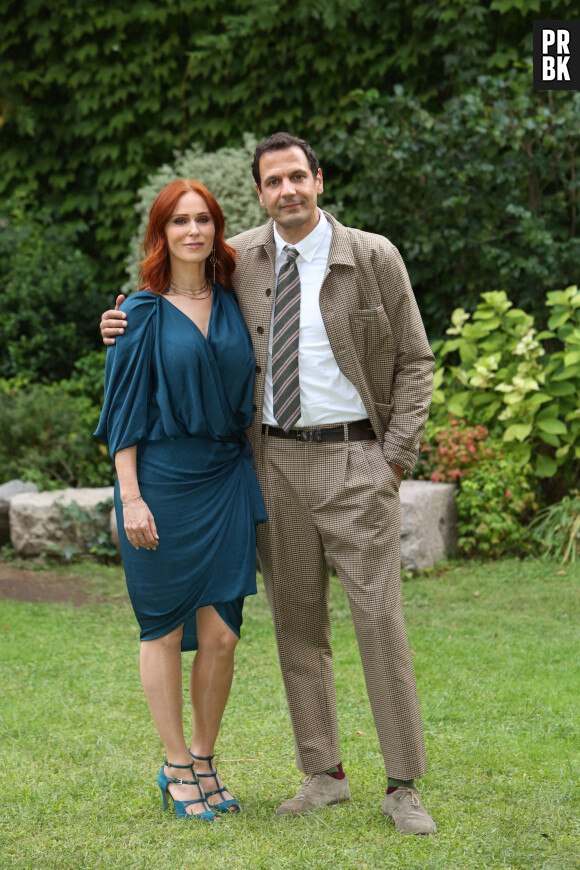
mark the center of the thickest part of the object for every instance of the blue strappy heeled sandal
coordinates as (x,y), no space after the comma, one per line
(163,782)
(229,806)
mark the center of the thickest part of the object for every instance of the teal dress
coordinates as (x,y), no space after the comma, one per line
(185,401)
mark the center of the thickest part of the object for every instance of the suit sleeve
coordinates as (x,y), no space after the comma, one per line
(128,377)
(413,374)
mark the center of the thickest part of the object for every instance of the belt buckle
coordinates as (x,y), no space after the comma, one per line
(304,435)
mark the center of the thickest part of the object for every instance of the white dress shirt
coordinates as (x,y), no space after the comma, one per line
(326,396)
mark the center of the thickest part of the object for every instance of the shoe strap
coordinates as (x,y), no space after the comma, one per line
(209,758)
(196,801)
(213,773)
(217,791)
(182,781)
(199,800)
(212,769)
(182,767)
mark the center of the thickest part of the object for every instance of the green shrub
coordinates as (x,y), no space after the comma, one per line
(495,502)
(497,370)
(46,430)
(51,301)
(88,380)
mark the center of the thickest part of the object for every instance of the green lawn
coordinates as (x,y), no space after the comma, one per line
(497,655)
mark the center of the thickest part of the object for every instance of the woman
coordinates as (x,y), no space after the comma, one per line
(178,396)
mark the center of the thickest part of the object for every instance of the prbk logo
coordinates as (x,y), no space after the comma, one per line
(557,55)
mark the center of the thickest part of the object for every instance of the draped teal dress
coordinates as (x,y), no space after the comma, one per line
(185,401)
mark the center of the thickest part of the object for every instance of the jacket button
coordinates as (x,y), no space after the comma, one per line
(260,330)
(268,292)
(255,407)
(258,369)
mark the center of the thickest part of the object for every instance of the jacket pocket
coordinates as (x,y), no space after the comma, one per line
(371,332)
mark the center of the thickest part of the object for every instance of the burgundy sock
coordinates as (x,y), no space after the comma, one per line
(337,772)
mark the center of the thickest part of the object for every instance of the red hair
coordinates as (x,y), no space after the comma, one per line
(155,272)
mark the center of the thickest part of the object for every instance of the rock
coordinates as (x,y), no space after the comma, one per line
(38,524)
(61,520)
(428,523)
(7,493)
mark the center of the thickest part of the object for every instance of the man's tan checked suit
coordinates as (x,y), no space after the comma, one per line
(343,497)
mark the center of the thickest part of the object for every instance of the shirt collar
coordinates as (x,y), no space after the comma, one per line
(308,246)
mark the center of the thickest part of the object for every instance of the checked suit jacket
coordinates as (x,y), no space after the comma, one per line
(372,322)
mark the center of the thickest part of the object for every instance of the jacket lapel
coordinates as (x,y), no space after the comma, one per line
(338,296)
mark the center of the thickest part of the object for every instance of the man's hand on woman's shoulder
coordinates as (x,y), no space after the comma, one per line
(113,322)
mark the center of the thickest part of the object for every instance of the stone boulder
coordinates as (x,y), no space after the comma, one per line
(54,521)
(428,523)
(7,493)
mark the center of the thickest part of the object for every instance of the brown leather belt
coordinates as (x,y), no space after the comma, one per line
(358,430)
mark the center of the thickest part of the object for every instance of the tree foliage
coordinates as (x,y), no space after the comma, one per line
(479,195)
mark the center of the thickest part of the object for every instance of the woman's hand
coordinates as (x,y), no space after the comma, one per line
(113,322)
(140,525)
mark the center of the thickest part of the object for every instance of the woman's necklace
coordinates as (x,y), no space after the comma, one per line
(192,292)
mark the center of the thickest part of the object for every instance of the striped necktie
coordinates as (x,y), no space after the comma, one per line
(285,380)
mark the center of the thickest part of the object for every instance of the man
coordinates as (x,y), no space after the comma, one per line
(342,392)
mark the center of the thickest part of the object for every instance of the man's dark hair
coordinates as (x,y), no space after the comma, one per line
(278,142)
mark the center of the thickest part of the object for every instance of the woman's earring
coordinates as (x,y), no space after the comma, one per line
(213,261)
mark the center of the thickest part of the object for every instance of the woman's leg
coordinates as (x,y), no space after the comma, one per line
(210,683)
(161,678)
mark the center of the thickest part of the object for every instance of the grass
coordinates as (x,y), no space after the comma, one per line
(497,656)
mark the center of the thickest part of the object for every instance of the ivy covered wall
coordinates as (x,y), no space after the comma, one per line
(95,96)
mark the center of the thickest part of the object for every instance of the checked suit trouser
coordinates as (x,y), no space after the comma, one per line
(342,497)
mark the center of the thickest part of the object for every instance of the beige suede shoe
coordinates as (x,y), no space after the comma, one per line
(317,790)
(407,812)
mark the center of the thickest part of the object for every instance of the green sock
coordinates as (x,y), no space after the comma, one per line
(337,772)
(397,783)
